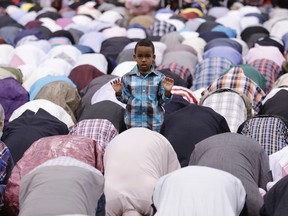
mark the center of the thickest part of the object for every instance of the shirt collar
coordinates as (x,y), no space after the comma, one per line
(135,70)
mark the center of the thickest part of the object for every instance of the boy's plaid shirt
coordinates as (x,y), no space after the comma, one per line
(145,97)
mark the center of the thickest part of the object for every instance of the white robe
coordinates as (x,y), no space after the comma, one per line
(199,191)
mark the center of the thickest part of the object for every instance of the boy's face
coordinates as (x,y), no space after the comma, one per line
(144,57)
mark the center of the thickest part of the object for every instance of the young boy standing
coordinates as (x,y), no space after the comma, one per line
(144,90)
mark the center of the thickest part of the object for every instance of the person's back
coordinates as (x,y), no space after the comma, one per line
(275,200)
(273,103)
(79,147)
(270,131)
(190,125)
(61,186)
(133,162)
(241,156)
(202,191)
(232,105)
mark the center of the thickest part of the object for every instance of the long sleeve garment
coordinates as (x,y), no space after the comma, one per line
(145,97)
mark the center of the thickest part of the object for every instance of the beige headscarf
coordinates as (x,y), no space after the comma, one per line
(134,161)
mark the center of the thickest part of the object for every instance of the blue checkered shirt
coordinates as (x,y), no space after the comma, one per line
(145,98)
(160,28)
(208,70)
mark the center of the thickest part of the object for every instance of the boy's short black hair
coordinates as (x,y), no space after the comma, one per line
(145,42)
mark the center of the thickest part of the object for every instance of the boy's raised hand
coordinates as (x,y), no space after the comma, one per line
(117,86)
(168,83)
